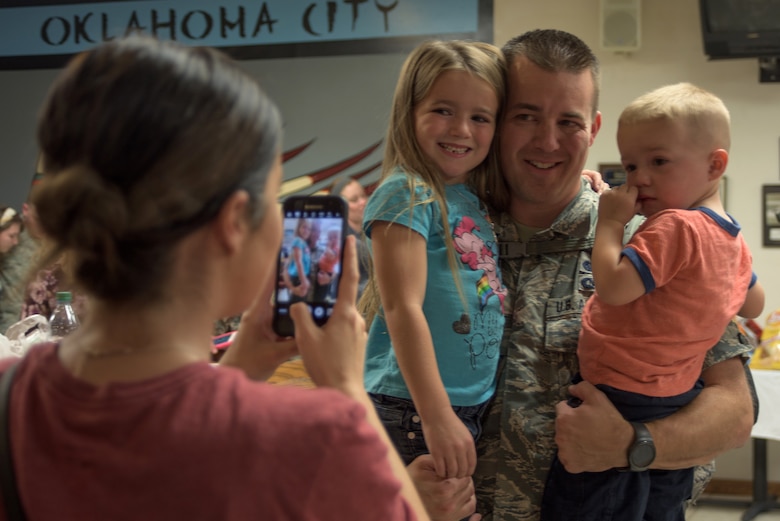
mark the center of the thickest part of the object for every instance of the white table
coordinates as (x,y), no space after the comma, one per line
(768,389)
(767,427)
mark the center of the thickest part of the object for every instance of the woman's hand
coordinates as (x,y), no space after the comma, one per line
(256,349)
(334,355)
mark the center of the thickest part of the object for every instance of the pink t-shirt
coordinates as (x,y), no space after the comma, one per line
(697,269)
(197,443)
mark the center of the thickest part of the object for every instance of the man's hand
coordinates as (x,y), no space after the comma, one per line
(449,499)
(592,437)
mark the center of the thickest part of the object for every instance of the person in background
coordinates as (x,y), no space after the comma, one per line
(41,282)
(435,299)
(11,227)
(31,288)
(355,195)
(546,224)
(40,297)
(674,144)
(165,233)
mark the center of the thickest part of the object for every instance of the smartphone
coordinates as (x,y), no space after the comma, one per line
(310,258)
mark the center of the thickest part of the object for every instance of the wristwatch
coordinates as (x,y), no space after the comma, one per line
(641,453)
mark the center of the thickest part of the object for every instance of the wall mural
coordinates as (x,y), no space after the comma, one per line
(329,173)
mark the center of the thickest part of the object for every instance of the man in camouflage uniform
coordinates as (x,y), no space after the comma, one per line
(16,270)
(546,233)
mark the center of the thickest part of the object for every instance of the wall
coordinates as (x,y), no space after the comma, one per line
(339,102)
(342,103)
(21,92)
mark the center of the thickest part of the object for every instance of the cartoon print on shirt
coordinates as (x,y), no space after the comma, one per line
(478,256)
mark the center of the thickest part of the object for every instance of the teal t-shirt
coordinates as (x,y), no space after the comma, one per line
(466,341)
(292,268)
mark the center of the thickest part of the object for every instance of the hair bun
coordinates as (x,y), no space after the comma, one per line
(80,211)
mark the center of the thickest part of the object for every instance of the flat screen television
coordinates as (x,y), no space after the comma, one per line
(740,28)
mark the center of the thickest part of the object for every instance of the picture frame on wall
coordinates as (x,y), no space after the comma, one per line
(771,214)
(613,173)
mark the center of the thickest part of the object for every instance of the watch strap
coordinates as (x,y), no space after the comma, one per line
(641,432)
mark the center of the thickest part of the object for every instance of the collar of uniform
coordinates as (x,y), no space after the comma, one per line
(576,221)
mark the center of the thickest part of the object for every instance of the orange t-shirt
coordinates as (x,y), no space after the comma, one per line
(697,270)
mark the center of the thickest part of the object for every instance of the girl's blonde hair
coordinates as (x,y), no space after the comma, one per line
(402,151)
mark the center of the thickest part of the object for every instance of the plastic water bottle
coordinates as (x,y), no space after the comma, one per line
(63,319)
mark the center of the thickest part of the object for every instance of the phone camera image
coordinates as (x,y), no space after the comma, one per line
(310,258)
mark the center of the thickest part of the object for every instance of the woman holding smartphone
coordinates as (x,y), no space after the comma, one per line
(126,418)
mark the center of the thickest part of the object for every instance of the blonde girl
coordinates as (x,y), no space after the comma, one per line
(296,272)
(434,299)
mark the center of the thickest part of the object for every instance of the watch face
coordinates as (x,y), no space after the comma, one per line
(642,454)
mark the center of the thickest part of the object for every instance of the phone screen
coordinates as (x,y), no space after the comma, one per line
(310,258)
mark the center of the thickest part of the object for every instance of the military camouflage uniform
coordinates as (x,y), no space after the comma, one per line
(548,291)
(226,325)
(15,271)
